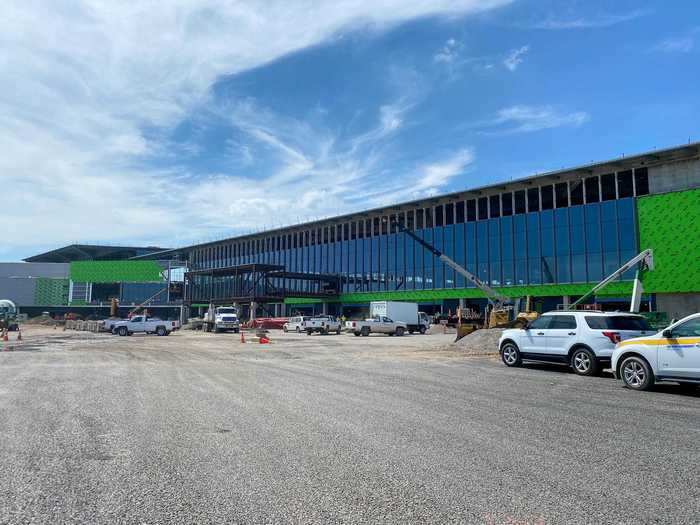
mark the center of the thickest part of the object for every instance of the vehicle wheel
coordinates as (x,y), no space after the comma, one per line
(298,330)
(122,331)
(422,330)
(308,332)
(510,354)
(584,362)
(337,332)
(364,332)
(284,329)
(324,331)
(218,330)
(161,331)
(636,373)
(410,332)
(356,334)
(236,330)
(400,331)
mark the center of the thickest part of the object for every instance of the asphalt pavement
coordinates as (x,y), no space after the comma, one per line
(172,430)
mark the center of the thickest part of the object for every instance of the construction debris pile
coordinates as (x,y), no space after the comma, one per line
(479,342)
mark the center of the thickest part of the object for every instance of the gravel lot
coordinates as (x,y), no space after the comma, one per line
(197,428)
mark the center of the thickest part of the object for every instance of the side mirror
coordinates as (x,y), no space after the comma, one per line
(667,334)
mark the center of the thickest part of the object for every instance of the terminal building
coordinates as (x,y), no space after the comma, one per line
(551,237)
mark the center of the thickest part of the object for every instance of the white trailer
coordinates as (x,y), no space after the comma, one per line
(401,312)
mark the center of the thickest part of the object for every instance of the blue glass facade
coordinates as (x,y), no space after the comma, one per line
(542,235)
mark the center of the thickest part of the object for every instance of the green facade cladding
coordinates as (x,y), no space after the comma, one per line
(51,292)
(669,223)
(115,271)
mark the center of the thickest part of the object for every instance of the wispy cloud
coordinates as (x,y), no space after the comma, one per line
(97,87)
(515,58)
(524,119)
(684,43)
(584,22)
(436,175)
(449,53)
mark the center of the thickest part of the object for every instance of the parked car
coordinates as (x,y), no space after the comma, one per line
(376,325)
(583,339)
(322,324)
(670,355)
(142,324)
(295,324)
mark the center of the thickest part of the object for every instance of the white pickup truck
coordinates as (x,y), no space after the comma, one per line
(376,325)
(323,324)
(142,324)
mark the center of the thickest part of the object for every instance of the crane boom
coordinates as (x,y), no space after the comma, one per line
(492,295)
(646,258)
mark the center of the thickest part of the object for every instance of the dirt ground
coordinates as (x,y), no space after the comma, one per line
(45,338)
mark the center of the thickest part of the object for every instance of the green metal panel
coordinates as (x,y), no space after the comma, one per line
(545,290)
(51,292)
(670,224)
(115,271)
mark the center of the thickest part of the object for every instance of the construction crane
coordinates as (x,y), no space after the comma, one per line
(646,258)
(499,303)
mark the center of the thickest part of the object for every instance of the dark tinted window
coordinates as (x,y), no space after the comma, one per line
(428,217)
(419,219)
(563,322)
(533,199)
(459,212)
(547,197)
(592,193)
(561,192)
(641,181)
(507,204)
(495,204)
(576,188)
(607,186)
(540,323)
(688,329)
(520,201)
(471,210)
(483,208)
(449,213)
(621,322)
(624,184)
(438,216)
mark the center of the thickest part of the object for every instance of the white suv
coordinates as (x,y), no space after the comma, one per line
(295,324)
(671,355)
(583,339)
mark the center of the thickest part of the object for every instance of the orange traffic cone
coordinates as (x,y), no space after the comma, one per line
(242,337)
(264,340)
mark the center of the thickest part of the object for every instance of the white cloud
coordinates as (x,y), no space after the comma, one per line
(436,175)
(523,119)
(449,52)
(94,86)
(583,22)
(682,44)
(515,58)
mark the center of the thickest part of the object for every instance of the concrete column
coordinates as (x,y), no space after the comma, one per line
(253,308)
(324,308)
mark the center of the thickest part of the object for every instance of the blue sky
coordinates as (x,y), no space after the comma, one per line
(208,119)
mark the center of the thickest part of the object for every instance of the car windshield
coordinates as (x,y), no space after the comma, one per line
(227,311)
(618,322)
